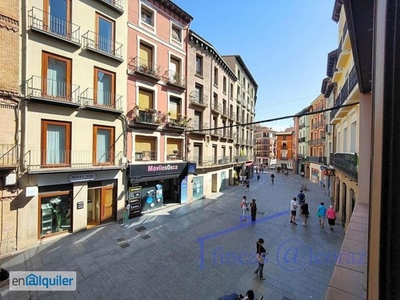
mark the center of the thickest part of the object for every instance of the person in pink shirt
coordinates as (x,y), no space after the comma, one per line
(331,215)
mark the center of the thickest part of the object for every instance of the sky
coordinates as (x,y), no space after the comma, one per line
(284,44)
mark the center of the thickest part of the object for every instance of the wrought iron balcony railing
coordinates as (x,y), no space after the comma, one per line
(8,155)
(216,107)
(101,99)
(317,125)
(52,90)
(103,45)
(145,155)
(317,159)
(199,99)
(346,163)
(316,142)
(58,159)
(200,127)
(175,155)
(143,67)
(149,116)
(174,78)
(51,25)
(232,115)
(113,4)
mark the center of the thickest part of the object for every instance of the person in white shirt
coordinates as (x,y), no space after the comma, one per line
(293,209)
(245,207)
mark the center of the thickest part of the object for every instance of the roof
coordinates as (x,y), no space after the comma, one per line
(245,69)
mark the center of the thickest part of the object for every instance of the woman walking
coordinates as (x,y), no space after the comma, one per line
(261,253)
(331,215)
(253,210)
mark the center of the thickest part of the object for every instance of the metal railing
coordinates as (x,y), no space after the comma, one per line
(175,155)
(101,99)
(45,88)
(347,88)
(54,26)
(142,66)
(174,78)
(241,158)
(102,44)
(232,115)
(346,163)
(316,125)
(145,155)
(200,126)
(316,142)
(225,111)
(198,99)
(117,4)
(317,159)
(147,116)
(206,161)
(216,132)
(216,107)
(180,122)
(8,155)
(38,159)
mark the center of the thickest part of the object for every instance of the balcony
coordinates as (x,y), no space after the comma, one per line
(302,125)
(174,79)
(302,140)
(198,99)
(347,163)
(316,142)
(141,67)
(102,45)
(179,124)
(232,115)
(211,161)
(176,155)
(146,156)
(216,107)
(199,127)
(8,156)
(317,125)
(115,5)
(300,156)
(48,161)
(344,95)
(50,25)
(216,132)
(337,75)
(241,158)
(317,159)
(102,101)
(225,112)
(52,91)
(147,118)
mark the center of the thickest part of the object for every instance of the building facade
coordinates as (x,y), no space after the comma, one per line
(156,112)
(302,134)
(264,145)
(284,149)
(9,112)
(73,80)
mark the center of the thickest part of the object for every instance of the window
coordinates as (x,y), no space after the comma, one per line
(147,16)
(54,212)
(175,70)
(199,93)
(231,91)
(353,137)
(104,88)
(146,99)
(145,56)
(105,34)
(174,147)
(197,121)
(56,143)
(174,108)
(176,33)
(345,140)
(57,16)
(224,84)
(103,145)
(56,74)
(145,148)
(238,75)
(216,76)
(199,65)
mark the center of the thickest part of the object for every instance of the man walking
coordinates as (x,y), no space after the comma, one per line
(272,178)
(321,214)
(304,212)
(301,197)
(293,209)
(253,210)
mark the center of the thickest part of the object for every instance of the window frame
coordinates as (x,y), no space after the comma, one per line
(45,64)
(201,65)
(179,33)
(98,16)
(95,85)
(112,145)
(143,23)
(215,76)
(43,143)
(46,26)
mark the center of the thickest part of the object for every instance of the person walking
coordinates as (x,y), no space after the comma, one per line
(304,212)
(301,197)
(258,177)
(293,210)
(247,185)
(261,253)
(125,219)
(253,210)
(272,178)
(321,212)
(245,208)
(302,174)
(331,215)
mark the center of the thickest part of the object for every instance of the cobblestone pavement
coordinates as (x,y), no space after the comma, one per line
(199,251)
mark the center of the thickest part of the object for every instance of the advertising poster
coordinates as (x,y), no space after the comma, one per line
(184,190)
(198,187)
(223,181)
(152,197)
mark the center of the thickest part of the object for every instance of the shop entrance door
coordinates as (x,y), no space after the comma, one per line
(107,194)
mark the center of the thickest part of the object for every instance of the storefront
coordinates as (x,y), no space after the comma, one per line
(153,185)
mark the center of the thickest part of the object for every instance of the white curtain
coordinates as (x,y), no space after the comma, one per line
(56,78)
(56,152)
(103,146)
(103,88)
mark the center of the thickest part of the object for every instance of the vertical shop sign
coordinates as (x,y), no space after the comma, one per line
(184,190)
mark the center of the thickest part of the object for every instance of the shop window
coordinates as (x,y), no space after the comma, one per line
(54,212)
(55,144)
(103,145)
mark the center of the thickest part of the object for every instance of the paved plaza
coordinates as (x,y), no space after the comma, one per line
(201,250)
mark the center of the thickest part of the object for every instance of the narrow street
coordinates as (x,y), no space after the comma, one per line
(201,250)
